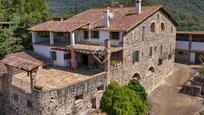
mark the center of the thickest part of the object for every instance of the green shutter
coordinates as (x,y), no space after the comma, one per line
(135,56)
(150,52)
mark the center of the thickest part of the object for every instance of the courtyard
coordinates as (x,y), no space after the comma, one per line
(166,99)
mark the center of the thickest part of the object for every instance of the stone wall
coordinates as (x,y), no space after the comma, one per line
(133,42)
(76,99)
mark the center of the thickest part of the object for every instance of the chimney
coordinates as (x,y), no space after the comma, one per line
(138,6)
(107,17)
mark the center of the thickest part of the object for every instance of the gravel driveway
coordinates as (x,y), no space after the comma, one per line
(166,99)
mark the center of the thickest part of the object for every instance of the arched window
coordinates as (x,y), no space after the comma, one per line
(162,26)
(153,27)
(136,76)
(151,69)
(172,30)
(158,16)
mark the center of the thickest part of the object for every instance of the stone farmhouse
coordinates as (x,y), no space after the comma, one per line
(74,59)
(189,47)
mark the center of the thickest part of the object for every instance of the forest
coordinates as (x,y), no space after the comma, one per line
(189,13)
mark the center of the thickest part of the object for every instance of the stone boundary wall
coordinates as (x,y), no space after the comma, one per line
(79,98)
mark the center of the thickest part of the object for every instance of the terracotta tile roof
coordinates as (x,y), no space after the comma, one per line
(191,32)
(58,26)
(2,68)
(124,19)
(24,60)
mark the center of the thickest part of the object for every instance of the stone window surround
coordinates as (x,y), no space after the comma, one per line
(143,31)
(163,26)
(153,27)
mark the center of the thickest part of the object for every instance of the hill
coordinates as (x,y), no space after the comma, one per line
(189,13)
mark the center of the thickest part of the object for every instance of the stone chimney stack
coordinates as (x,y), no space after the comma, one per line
(138,6)
(107,17)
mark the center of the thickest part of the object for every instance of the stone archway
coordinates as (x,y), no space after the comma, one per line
(151,69)
(136,76)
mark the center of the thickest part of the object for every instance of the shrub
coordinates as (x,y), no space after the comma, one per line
(201,70)
(38,87)
(119,100)
(201,58)
(135,85)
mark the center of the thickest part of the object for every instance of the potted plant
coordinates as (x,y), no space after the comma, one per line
(38,87)
(201,58)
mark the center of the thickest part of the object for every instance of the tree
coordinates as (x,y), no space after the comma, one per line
(9,43)
(24,13)
(135,85)
(121,100)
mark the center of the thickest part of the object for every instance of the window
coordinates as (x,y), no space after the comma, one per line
(135,56)
(29,104)
(115,35)
(151,69)
(15,96)
(43,34)
(143,32)
(162,26)
(150,52)
(155,48)
(172,29)
(86,35)
(67,56)
(100,88)
(53,55)
(136,76)
(180,53)
(142,54)
(95,34)
(158,16)
(182,37)
(153,27)
(60,34)
(198,38)
(79,97)
(161,51)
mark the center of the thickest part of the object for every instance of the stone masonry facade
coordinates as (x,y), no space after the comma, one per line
(82,97)
(76,99)
(133,42)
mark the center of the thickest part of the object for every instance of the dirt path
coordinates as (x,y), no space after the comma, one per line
(166,99)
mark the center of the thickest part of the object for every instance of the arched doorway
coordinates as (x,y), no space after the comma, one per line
(151,69)
(136,76)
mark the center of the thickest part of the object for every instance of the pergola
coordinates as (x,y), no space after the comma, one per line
(24,61)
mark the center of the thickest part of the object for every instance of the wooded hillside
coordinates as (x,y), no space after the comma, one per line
(189,13)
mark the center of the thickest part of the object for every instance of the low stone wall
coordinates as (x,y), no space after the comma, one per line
(79,98)
(194,87)
(192,90)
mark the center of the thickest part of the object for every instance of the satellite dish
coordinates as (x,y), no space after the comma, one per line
(111,16)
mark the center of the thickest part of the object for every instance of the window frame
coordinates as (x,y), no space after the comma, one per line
(136,56)
(95,34)
(150,52)
(143,32)
(153,27)
(113,37)
(86,34)
(67,56)
(163,26)
(52,55)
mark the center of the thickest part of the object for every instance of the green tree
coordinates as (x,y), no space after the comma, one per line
(135,85)
(24,13)
(8,43)
(119,100)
